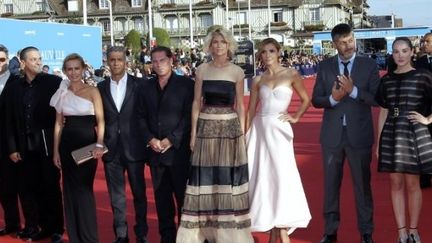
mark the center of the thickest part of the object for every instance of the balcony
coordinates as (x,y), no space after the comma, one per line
(317,25)
(186,31)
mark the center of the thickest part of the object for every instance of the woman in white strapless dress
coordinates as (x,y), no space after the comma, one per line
(79,111)
(277,200)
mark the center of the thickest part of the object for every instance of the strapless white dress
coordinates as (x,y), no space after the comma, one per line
(276,194)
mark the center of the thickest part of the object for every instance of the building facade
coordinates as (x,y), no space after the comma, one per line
(286,21)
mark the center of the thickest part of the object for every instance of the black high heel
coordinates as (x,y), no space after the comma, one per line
(414,237)
(405,239)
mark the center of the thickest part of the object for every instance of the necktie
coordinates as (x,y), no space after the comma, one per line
(346,71)
(430,63)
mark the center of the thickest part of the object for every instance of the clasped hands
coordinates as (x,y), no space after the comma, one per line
(160,146)
(345,88)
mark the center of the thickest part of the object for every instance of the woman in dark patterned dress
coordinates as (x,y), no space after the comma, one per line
(216,206)
(405,149)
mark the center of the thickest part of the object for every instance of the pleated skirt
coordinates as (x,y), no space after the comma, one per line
(216,206)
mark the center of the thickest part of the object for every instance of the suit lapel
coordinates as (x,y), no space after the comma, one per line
(108,92)
(336,66)
(129,90)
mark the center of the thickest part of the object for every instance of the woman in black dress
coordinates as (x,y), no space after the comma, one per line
(79,110)
(405,150)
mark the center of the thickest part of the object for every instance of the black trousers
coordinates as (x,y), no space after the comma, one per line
(39,191)
(169,183)
(9,192)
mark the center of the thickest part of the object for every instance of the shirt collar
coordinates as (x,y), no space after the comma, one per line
(351,60)
(122,81)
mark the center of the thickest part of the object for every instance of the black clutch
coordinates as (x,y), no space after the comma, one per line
(83,154)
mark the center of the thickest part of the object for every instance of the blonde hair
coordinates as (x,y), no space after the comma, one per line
(232,44)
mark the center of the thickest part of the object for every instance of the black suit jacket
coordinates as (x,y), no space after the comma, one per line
(122,126)
(3,151)
(44,115)
(170,118)
(423,63)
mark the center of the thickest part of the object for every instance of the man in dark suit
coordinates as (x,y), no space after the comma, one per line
(345,87)
(425,62)
(30,122)
(125,151)
(8,169)
(165,115)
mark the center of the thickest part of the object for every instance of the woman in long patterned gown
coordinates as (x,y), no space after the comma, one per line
(216,206)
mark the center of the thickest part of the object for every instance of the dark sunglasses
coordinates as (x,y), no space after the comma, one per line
(2,59)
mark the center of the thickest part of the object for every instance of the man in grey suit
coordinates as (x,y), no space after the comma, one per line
(345,87)
(125,149)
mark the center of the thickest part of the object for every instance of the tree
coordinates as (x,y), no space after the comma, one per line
(162,37)
(133,40)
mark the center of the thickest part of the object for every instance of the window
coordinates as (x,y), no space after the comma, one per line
(106,26)
(103,4)
(241,18)
(206,20)
(138,24)
(314,14)
(171,22)
(277,16)
(41,5)
(136,3)
(8,8)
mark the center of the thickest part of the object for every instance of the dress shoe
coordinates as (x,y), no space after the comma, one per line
(27,232)
(121,240)
(40,235)
(366,238)
(329,238)
(9,230)
(142,240)
(56,238)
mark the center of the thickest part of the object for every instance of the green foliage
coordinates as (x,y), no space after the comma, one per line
(133,40)
(213,27)
(162,37)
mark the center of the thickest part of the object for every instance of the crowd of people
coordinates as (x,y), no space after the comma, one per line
(219,171)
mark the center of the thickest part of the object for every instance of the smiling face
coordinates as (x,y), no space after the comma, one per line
(269,54)
(3,62)
(74,70)
(346,46)
(402,53)
(219,46)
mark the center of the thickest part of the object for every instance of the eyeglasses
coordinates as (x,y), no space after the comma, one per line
(2,59)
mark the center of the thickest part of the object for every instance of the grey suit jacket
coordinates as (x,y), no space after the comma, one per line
(357,111)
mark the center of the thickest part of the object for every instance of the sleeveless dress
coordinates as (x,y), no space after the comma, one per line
(78,131)
(216,206)
(276,193)
(405,147)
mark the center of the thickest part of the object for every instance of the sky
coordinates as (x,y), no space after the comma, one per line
(413,12)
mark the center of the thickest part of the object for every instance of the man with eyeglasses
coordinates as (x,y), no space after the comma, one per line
(8,170)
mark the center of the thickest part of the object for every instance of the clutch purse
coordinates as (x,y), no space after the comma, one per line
(83,154)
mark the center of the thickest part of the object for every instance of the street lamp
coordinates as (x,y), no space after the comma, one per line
(111,21)
(191,25)
(150,23)
(84,12)
(269,19)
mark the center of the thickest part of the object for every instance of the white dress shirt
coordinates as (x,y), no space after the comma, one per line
(3,79)
(118,91)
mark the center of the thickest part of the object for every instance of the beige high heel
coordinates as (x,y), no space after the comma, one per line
(404,238)
(414,237)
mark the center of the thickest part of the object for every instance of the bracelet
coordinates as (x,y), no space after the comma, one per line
(98,145)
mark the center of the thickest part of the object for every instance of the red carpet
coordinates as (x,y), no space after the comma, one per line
(309,162)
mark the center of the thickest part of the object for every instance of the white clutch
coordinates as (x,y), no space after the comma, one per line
(83,154)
